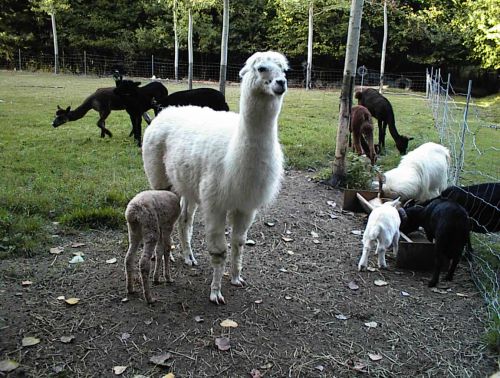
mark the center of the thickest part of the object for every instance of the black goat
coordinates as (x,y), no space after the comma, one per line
(482,203)
(208,97)
(381,109)
(138,100)
(447,223)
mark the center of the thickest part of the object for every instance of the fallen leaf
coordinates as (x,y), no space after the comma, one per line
(314,234)
(72,301)
(359,366)
(374,357)
(405,294)
(341,317)
(61,298)
(56,250)
(222,343)
(76,260)
(125,336)
(161,359)
(139,376)
(371,269)
(8,365)
(380,283)
(332,216)
(58,369)
(78,254)
(111,261)
(291,253)
(269,365)
(353,285)
(119,369)
(255,373)
(316,241)
(124,299)
(198,319)
(371,324)
(286,239)
(319,367)
(250,242)
(283,270)
(67,339)
(26,283)
(270,224)
(169,375)
(77,245)
(29,341)
(258,301)
(149,321)
(462,295)
(287,297)
(331,203)
(228,323)
(356,232)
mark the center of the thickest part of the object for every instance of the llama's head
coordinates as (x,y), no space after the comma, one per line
(61,116)
(402,144)
(264,72)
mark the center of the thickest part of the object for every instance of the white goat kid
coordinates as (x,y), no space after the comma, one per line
(230,163)
(381,231)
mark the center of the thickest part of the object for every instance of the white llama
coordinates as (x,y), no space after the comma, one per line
(231,164)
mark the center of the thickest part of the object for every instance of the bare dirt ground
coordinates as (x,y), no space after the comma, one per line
(297,317)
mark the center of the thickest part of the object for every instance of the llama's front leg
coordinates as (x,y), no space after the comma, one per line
(241,222)
(216,244)
(185,229)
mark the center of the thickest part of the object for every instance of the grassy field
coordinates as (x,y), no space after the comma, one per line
(71,175)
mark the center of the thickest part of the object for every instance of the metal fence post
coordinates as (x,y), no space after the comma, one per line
(20,62)
(152,65)
(461,157)
(85,62)
(445,111)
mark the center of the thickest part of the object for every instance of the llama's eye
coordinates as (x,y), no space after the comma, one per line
(262,69)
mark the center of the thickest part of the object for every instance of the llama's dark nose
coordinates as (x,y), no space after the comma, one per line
(280,86)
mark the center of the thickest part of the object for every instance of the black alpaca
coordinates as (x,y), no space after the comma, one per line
(138,100)
(103,101)
(208,97)
(381,109)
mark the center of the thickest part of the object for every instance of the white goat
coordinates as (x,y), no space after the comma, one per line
(230,163)
(422,174)
(382,229)
(151,216)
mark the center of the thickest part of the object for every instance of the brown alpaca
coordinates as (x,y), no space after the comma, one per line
(361,128)
(151,216)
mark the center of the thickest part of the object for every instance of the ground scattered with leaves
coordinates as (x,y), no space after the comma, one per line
(306,311)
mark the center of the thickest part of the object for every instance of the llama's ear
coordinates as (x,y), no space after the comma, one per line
(137,83)
(58,107)
(250,63)
(68,109)
(410,138)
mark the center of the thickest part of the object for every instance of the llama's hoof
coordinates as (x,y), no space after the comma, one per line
(238,281)
(361,268)
(190,261)
(216,297)
(382,266)
(432,283)
(448,278)
(151,300)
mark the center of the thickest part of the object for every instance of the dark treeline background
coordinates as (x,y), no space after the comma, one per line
(455,35)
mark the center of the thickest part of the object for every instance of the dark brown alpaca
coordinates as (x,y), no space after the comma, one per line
(103,101)
(381,109)
(361,128)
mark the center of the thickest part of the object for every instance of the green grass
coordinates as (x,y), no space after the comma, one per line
(71,175)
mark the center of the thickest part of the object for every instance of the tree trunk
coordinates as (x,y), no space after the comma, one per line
(351,60)
(384,46)
(176,44)
(190,51)
(56,47)
(223,48)
(309,47)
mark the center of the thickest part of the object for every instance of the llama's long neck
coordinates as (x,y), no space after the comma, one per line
(80,111)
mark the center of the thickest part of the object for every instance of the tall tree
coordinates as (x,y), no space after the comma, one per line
(51,7)
(351,61)
(223,48)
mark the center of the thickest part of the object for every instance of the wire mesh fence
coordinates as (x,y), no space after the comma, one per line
(100,65)
(474,142)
